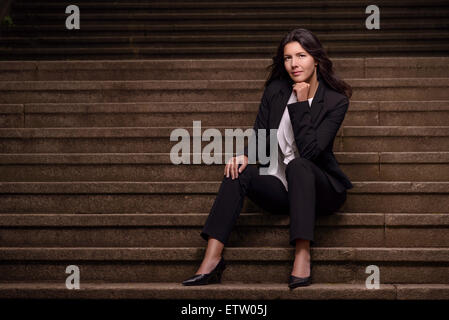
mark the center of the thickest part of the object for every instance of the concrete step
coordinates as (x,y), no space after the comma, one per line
(228,290)
(225,40)
(212,69)
(394,89)
(54,167)
(134,229)
(206,5)
(221,41)
(157,140)
(85,52)
(211,114)
(161,36)
(245,265)
(268,15)
(144,28)
(235,3)
(198,196)
(251,230)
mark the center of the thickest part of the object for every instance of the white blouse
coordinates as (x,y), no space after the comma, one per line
(287,146)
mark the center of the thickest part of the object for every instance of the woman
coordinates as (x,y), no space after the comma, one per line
(307,103)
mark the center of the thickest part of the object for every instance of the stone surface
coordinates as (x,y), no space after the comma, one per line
(86,179)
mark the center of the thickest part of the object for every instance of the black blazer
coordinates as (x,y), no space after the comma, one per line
(314,127)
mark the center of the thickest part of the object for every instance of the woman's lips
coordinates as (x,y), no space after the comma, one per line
(297,73)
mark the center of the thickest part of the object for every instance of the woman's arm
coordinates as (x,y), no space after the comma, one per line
(311,142)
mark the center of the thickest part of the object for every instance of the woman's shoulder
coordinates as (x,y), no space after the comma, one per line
(275,85)
(330,94)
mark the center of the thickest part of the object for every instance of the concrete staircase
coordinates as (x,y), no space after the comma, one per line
(85,171)
(220,29)
(86,179)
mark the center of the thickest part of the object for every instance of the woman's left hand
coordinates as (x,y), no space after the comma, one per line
(301,90)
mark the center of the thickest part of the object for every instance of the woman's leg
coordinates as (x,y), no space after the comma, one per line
(310,194)
(265,190)
(212,256)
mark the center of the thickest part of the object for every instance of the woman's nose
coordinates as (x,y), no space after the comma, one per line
(294,63)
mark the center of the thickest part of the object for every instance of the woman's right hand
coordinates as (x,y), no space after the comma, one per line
(232,167)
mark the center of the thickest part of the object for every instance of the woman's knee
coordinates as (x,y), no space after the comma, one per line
(244,178)
(298,164)
(250,170)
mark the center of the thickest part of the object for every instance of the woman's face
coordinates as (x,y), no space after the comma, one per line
(299,64)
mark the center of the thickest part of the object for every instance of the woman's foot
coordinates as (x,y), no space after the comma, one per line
(212,266)
(208,265)
(301,267)
(214,276)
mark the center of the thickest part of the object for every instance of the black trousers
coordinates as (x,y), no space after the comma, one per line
(310,194)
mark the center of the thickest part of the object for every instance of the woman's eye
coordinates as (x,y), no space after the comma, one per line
(301,55)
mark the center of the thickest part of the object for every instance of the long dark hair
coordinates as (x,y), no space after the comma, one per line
(313,46)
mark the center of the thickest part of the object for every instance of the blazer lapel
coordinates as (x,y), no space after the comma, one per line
(279,104)
(285,92)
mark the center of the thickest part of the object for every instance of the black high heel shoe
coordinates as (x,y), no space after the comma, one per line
(207,278)
(294,282)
